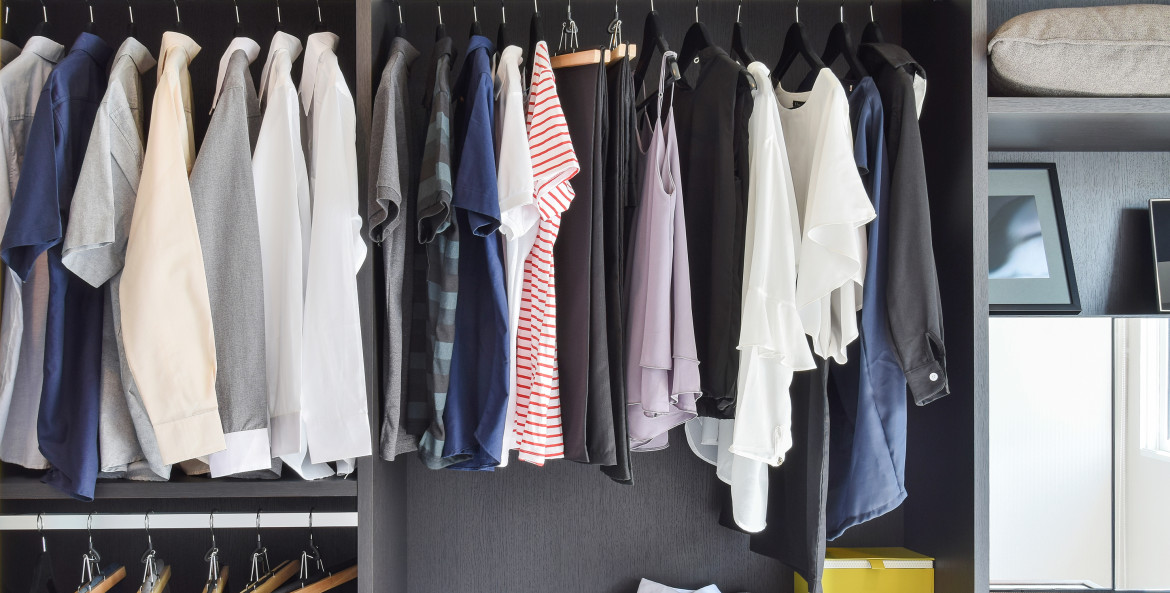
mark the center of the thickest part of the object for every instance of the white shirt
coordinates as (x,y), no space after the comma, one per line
(518,211)
(771,339)
(282,210)
(22,328)
(333,396)
(648,586)
(834,210)
(166,311)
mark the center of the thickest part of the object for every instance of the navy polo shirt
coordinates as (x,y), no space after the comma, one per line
(67,425)
(867,398)
(477,397)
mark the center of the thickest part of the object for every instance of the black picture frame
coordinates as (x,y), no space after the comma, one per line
(1001,289)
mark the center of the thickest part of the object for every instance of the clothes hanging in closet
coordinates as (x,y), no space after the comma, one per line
(478,393)
(95,250)
(67,424)
(582,350)
(519,214)
(867,407)
(282,209)
(171,356)
(335,415)
(712,107)
(22,330)
(438,231)
(223,195)
(392,180)
(8,52)
(662,364)
(539,409)
(912,294)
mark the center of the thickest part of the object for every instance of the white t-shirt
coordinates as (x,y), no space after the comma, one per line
(834,209)
(648,586)
(518,211)
(772,343)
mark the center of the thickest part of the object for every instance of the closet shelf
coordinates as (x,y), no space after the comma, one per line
(31,488)
(1062,124)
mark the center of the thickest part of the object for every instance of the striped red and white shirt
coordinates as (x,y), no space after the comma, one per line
(538,399)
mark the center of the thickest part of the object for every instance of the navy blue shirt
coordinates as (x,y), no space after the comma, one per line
(477,397)
(67,424)
(867,404)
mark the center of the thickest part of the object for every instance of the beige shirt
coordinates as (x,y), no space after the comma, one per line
(166,312)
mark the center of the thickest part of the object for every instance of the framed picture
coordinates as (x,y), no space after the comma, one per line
(1030,269)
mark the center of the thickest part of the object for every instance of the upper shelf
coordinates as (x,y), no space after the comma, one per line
(1041,124)
(27,487)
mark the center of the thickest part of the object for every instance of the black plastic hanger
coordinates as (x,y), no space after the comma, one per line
(696,40)
(475,29)
(653,39)
(90,27)
(131,28)
(739,49)
(535,34)
(502,32)
(43,28)
(440,29)
(320,26)
(796,45)
(840,44)
(873,31)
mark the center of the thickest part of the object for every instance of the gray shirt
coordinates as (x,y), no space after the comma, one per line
(22,328)
(223,193)
(391,172)
(95,250)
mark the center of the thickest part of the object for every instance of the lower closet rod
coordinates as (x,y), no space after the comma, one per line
(56,522)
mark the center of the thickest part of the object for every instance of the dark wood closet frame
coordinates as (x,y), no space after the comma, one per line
(946,514)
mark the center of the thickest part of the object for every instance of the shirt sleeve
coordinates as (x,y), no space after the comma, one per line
(336,420)
(165,308)
(34,222)
(912,294)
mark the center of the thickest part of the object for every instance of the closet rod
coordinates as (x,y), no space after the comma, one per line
(137,521)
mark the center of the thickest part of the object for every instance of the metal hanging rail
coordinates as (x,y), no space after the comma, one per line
(136,521)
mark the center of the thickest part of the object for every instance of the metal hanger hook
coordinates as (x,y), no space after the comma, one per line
(44,11)
(236,5)
(178,19)
(211,525)
(41,528)
(871,19)
(90,7)
(146,522)
(738,9)
(439,9)
(130,9)
(503,13)
(401,21)
(278,21)
(696,11)
(319,19)
(535,7)
(89,529)
(841,12)
(798,11)
(474,12)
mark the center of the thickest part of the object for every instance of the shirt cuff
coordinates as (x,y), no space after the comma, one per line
(340,438)
(190,437)
(928,382)
(247,450)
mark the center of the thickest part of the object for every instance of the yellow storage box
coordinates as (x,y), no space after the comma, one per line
(875,570)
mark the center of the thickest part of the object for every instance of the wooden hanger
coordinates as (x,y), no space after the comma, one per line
(218,585)
(160,584)
(593,56)
(332,581)
(104,582)
(280,575)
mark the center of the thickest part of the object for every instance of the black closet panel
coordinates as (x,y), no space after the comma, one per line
(211,23)
(183,549)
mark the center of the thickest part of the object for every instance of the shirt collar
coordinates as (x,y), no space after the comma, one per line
(137,52)
(280,42)
(478,42)
(46,48)
(318,45)
(250,49)
(401,45)
(896,56)
(173,42)
(95,47)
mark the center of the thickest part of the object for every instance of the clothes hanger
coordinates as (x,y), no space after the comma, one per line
(475,29)
(216,576)
(131,28)
(873,31)
(262,579)
(840,44)
(90,27)
(653,39)
(739,48)
(178,28)
(320,25)
(568,42)
(502,32)
(535,34)
(796,45)
(325,579)
(440,29)
(151,573)
(43,28)
(93,578)
(696,40)
(618,49)
(568,53)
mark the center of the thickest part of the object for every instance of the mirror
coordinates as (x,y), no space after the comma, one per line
(1079,453)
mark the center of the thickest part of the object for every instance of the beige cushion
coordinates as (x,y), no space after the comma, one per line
(1110,51)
